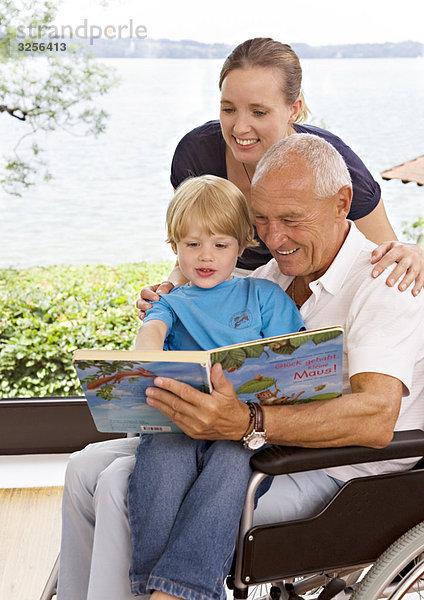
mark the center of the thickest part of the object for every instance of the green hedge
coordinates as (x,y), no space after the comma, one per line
(47,313)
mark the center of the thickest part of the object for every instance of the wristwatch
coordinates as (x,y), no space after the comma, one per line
(256,438)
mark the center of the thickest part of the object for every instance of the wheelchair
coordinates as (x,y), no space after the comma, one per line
(331,549)
(374,526)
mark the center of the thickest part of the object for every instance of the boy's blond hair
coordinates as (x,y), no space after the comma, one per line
(215,204)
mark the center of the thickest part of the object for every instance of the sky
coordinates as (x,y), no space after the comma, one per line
(315,22)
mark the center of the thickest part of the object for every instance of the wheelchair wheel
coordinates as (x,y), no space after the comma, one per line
(399,572)
(308,588)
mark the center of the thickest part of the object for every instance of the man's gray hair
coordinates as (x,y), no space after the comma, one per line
(327,164)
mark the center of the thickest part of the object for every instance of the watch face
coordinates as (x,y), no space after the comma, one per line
(256,442)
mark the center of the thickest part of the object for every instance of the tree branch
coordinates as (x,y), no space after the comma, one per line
(12,111)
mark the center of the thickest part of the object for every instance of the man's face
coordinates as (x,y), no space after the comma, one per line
(302,233)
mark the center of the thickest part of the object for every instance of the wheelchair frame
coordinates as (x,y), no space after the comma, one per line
(352,531)
(331,541)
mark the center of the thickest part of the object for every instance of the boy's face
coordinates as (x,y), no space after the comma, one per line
(207,260)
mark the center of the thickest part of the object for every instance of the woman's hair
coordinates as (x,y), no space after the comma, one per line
(327,164)
(266,52)
(213,203)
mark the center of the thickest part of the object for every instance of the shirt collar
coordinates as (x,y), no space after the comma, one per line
(336,274)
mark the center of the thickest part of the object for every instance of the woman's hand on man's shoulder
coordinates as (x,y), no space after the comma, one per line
(150,294)
(409,268)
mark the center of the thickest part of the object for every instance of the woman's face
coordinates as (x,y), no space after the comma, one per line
(254,114)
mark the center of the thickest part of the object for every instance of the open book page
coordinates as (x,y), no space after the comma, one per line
(292,369)
(115,391)
(295,368)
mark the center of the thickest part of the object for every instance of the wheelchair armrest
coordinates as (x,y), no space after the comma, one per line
(278,460)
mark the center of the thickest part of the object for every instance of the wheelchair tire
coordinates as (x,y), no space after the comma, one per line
(399,572)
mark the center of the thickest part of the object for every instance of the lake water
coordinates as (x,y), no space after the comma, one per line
(107,201)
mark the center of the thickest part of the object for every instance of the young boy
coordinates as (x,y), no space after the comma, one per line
(185,496)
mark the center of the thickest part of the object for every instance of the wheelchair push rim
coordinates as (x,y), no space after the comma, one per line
(399,572)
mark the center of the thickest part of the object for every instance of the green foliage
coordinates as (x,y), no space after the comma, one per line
(283,348)
(325,396)
(44,91)
(254,351)
(415,231)
(47,313)
(256,385)
(234,358)
(229,359)
(107,375)
(289,346)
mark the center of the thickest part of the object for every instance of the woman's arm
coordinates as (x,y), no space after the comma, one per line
(409,257)
(376,226)
(176,277)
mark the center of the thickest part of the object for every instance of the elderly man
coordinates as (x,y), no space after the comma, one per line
(301,195)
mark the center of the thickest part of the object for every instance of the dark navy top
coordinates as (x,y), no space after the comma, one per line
(202,152)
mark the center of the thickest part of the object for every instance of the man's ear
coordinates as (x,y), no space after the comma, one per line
(344,200)
(174,247)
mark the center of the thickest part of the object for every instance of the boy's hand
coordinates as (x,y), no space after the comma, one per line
(151,294)
(215,416)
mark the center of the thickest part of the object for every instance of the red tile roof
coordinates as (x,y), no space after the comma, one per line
(413,170)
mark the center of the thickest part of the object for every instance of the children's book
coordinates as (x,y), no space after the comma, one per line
(290,369)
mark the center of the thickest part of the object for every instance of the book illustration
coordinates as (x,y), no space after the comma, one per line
(290,369)
(106,378)
(287,371)
(116,390)
(268,397)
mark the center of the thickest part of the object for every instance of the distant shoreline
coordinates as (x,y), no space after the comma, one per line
(163,48)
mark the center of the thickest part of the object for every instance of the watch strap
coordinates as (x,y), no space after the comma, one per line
(256,438)
(252,418)
(259,418)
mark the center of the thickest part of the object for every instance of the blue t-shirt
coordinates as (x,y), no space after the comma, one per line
(202,152)
(235,311)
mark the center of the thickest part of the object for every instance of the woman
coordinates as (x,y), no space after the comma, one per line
(261,103)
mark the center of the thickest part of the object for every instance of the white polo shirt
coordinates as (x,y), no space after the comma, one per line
(384,332)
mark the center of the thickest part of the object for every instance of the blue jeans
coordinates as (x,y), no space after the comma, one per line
(185,499)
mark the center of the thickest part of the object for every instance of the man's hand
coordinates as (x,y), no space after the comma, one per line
(215,416)
(410,264)
(151,294)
